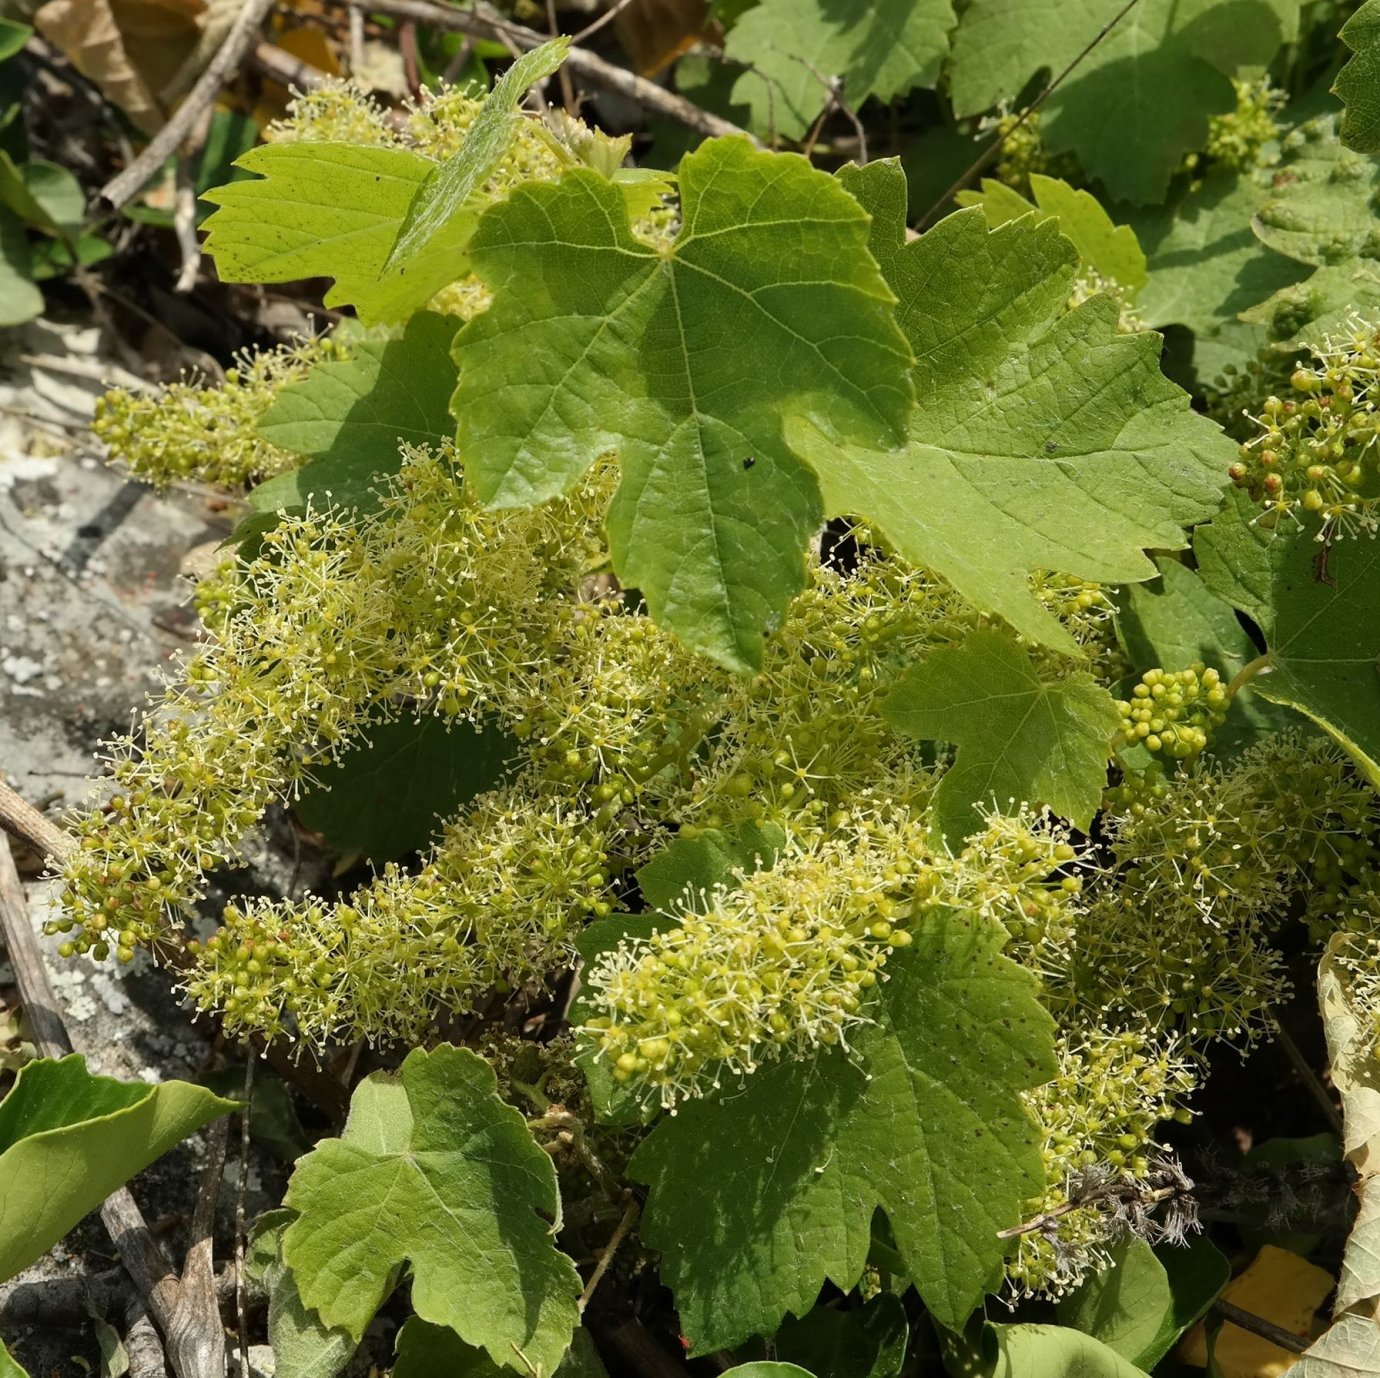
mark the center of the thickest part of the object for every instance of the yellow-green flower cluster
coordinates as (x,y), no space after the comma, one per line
(434,600)
(1247,137)
(1100,1112)
(784,961)
(498,902)
(1208,864)
(1175,712)
(209,434)
(1318,451)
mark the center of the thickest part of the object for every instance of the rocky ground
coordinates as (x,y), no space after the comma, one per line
(92,608)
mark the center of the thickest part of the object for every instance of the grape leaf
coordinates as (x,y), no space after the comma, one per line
(1107,248)
(1323,206)
(1358,83)
(393,795)
(764,1368)
(434,1170)
(302,1346)
(794,48)
(1319,609)
(683,360)
(10,1367)
(318,210)
(762,1194)
(1140,100)
(1023,736)
(68,1139)
(1042,439)
(349,416)
(389,225)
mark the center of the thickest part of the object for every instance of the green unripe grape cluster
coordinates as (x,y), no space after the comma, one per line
(1247,137)
(1175,712)
(1317,450)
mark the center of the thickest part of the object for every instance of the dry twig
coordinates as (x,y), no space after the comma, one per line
(169,139)
(158,1285)
(484,22)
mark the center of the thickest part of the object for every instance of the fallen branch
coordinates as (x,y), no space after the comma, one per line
(1258,1325)
(198,100)
(158,1285)
(483,22)
(19,817)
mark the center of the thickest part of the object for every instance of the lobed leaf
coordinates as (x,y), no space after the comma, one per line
(435,1172)
(1043,438)
(1107,248)
(760,1196)
(349,417)
(1136,103)
(1024,736)
(685,361)
(318,210)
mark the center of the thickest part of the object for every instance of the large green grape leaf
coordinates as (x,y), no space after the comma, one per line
(1140,100)
(1042,438)
(1319,609)
(1107,248)
(435,1171)
(1324,200)
(1023,735)
(1358,83)
(761,1195)
(319,210)
(348,417)
(684,361)
(20,299)
(68,1139)
(795,48)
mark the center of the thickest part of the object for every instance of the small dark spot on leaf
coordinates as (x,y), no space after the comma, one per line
(749,462)
(1051,446)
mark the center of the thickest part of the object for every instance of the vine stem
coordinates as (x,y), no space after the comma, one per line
(995,146)
(620,1233)
(1309,1078)
(1258,1325)
(1249,671)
